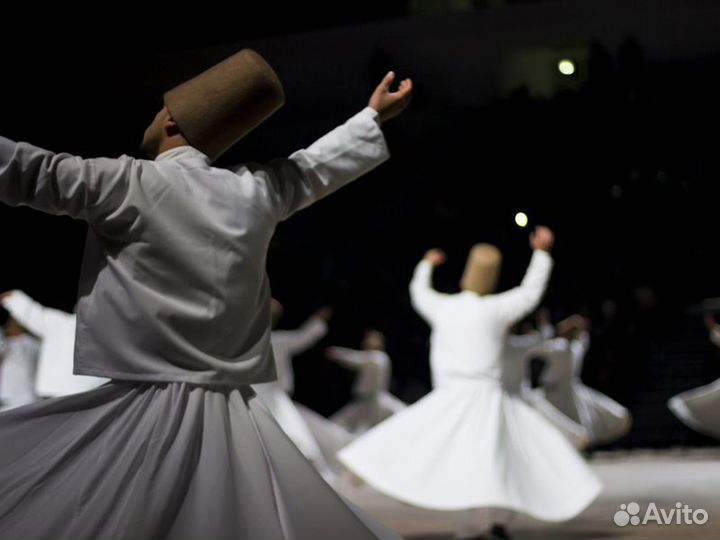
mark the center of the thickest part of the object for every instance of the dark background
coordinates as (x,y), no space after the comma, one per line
(620,160)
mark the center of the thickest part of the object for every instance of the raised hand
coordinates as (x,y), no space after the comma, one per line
(390,104)
(542,238)
(435,256)
(325,313)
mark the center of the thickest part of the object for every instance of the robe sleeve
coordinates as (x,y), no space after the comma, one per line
(349,357)
(423,297)
(61,184)
(524,341)
(581,344)
(547,331)
(516,303)
(32,315)
(304,337)
(339,157)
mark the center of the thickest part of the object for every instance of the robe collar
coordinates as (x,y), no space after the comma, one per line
(183,152)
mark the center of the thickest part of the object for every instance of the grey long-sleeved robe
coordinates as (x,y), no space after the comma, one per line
(173,284)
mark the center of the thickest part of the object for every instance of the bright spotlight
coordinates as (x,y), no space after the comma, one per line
(521,219)
(566,67)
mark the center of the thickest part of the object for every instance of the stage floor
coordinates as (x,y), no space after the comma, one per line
(664,477)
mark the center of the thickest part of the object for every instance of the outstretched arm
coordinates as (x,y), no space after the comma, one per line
(304,337)
(341,156)
(424,298)
(37,318)
(349,357)
(518,302)
(61,184)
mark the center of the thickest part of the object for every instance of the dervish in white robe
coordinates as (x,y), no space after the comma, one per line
(18,366)
(469,444)
(56,330)
(371,401)
(604,419)
(174,307)
(519,350)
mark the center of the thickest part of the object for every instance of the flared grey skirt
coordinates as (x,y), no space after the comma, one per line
(169,460)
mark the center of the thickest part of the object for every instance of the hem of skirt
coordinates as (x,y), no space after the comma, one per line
(683,413)
(474,506)
(619,433)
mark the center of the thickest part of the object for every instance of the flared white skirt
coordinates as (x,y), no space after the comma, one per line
(699,408)
(470,445)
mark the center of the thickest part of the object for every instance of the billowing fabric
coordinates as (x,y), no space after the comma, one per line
(518,351)
(699,408)
(604,419)
(276,394)
(166,460)
(469,443)
(330,437)
(371,401)
(283,410)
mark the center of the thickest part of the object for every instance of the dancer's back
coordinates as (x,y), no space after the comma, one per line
(469,330)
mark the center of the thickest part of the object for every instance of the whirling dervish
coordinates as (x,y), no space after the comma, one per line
(469,444)
(371,401)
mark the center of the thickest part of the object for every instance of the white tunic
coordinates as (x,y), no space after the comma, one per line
(56,330)
(18,364)
(176,250)
(470,444)
(372,401)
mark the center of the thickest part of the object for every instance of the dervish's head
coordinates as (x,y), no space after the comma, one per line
(482,269)
(373,340)
(215,109)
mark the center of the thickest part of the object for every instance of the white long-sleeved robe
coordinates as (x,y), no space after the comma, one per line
(18,366)
(56,330)
(175,305)
(176,250)
(372,401)
(469,443)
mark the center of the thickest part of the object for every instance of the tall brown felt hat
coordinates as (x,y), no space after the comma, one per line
(221,105)
(482,269)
